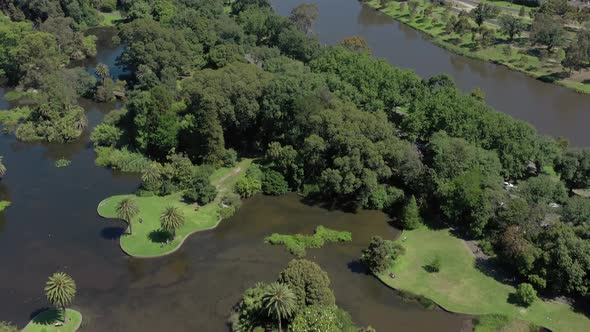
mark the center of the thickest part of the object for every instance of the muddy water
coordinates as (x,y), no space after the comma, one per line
(553,110)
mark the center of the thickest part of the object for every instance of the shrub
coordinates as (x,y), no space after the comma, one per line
(62,163)
(248,186)
(434,265)
(274,183)
(168,188)
(296,244)
(230,158)
(411,215)
(144,193)
(122,160)
(380,254)
(106,135)
(526,294)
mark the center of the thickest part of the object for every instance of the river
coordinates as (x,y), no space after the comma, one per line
(552,109)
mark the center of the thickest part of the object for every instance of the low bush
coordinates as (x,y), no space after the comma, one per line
(296,244)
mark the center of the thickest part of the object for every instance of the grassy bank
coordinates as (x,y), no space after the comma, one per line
(147,239)
(4,205)
(463,288)
(499,323)
(518,56)
(45,322)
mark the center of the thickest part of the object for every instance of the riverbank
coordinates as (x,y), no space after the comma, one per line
(515,57)
(147,240)
(463,284)
(45,322)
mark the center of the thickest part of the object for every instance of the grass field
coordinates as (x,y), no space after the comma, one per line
(499,323)
(461,287)
(4,205)
(519,57)
(44,322)
(110,19)
(147,239)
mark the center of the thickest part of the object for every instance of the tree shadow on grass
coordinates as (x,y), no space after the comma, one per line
(553,77)
(112,233)
(46,316)
(159,236)
(492,268)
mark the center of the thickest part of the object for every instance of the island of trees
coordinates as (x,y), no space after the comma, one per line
(212,84)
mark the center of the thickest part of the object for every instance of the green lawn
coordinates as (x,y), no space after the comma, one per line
(461,287)
(44,322)
(147,240)
(110,19)
(545,70)
(4,205)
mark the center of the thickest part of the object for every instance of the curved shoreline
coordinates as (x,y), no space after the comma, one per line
(74,329)
(173,250)
(570,85)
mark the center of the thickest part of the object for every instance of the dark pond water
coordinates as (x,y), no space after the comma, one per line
(553,110)
(53,225)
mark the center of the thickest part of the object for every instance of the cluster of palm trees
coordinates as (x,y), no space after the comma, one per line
(170,220)
(2,168)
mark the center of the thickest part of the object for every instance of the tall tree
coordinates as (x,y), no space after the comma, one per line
(102,71)
(280,302)
(171,220)
(60,291)
(127,210)
(411,215)
(484,12)
(511,26)
(547,30)
(151,176)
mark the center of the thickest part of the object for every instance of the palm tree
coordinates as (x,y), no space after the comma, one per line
(2,168)
(127,210)
(151,176)
(279,301)
(102,71)
(60,291)
(171,220)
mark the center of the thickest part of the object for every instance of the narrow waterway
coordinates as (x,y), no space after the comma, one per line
(552,109)
(53,225)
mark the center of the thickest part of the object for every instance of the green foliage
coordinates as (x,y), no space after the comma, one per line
(274,183)
(249,311)
(411,215)
(296,244)
(511,26)
(484,12)
(309,282)
(526,294)
(127,209)
(279,302)
(574,168)
(2,167)
(7,327)
(121,160)
(577,211)
(380,254)
(60,290)
(201,190)
(106,135)
(4,205)
(319,318)
(542,189)
(547,31)
(434,265)
(171,220)
(62,163)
